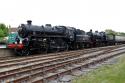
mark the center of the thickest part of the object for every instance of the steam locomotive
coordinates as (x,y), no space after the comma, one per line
(58,38)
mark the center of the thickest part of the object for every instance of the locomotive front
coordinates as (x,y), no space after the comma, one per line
(23,29)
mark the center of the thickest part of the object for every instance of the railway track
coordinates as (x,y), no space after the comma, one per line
(37,69)
(2,57)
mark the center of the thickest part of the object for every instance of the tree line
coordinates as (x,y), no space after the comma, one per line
(110,31)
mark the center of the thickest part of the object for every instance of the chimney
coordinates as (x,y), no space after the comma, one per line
(29,22)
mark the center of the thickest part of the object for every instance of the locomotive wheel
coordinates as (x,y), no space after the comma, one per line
(45,50)
(22,52)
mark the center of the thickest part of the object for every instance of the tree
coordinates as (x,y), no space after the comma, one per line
(111,32)
(4,31)
(121,33)
(1,33)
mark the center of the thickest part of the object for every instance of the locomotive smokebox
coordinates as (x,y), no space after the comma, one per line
(29,22)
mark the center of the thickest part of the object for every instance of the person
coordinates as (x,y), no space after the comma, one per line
(17,40)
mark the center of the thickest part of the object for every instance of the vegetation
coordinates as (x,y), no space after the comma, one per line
(110,31)
(3,30)
(106,74)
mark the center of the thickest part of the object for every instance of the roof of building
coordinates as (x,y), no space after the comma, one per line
(13,29)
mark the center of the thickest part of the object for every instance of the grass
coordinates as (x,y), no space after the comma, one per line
(106,74)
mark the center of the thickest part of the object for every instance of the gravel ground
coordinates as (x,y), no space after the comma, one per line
(84,71)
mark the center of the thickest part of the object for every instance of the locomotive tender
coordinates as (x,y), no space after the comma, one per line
(57,38)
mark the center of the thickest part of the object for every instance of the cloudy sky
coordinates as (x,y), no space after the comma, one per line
(83,14)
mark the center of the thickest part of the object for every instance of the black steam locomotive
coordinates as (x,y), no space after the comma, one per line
(58,38)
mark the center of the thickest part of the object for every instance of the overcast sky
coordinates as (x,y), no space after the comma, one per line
(83,14)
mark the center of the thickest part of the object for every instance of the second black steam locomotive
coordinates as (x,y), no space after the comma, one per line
(57,38)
